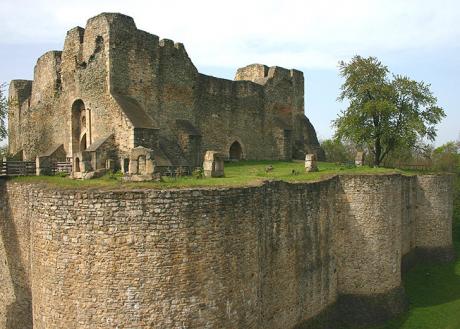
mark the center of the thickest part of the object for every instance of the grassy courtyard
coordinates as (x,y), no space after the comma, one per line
(236,174)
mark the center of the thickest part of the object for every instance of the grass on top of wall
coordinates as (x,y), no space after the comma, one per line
(434,291)
(243,173)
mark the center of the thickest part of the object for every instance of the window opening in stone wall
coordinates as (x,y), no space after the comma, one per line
(78,111)
(77,164)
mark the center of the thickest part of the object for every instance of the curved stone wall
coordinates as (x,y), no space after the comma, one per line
(368,247)
(434,217)
(277,255)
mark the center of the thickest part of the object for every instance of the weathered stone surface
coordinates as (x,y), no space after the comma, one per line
(310,163)
(213,164)
(273,256)
(112,79)
(359,159)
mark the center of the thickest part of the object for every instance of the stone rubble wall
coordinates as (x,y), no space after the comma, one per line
(273,256)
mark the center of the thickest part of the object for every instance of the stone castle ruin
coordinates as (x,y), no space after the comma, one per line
(114,88)
(277,255)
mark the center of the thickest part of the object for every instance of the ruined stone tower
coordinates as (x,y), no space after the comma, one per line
(114,88)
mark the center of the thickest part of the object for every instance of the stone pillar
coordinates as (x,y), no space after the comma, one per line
(213,164)
(42,165)
(149,166)
(110,164)
(37,166)
(141,164)
(132,167)
(359,159)
(310,163)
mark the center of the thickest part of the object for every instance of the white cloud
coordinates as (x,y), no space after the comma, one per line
(295,33)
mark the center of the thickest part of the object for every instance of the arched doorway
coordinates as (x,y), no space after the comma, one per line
(236,151)
(79,127)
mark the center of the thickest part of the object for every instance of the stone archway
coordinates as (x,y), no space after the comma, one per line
(236,151)
(79,126)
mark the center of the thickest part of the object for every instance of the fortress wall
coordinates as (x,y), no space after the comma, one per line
(255,257)
(15,283)
(158,74)
(269,256)
(178,83)
(85,76)
(40,128)
(368,234)
(203,258)
(434,217)
(47,78)
(133,62)
(19,96)
(368,247)
(229,111)
(43,123)
(94,75)
(72,56)
(408,214)
(86,72)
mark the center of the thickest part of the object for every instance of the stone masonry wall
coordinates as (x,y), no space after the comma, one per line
(434,217)
(271,256)
(15,261)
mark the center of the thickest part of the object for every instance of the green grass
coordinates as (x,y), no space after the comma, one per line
(434,291)
(242,173)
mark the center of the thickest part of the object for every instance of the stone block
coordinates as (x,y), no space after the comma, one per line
(359,159)
(42,166)
(213,164)
(310,163)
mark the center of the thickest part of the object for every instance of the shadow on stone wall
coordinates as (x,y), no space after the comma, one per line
(425,228)
(18,313)
(355,239)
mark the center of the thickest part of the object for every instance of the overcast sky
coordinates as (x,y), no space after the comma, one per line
(414,37)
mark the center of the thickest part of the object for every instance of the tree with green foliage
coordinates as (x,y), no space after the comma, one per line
(3,112)
(337,151)
(384,112)
(447,157)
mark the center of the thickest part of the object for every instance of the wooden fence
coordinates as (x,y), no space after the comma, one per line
(61,167)
(17,168)
(420,166)
(174,171)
